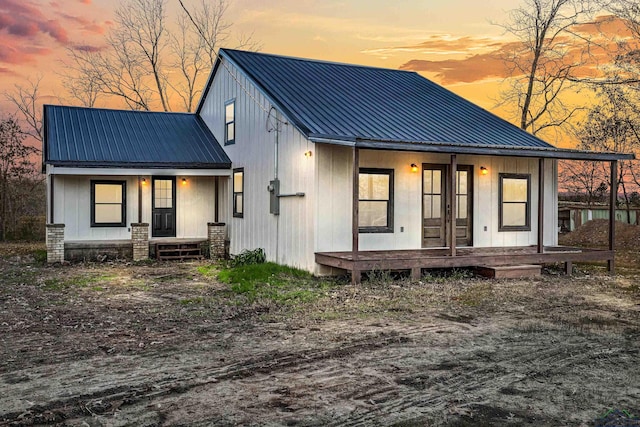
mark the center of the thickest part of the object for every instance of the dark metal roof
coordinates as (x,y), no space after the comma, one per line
(382,108)
(93,137)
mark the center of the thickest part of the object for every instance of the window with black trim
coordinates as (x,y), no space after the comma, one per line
(238,193)
(108,203)
(375,205)
(515,202)
(230,122)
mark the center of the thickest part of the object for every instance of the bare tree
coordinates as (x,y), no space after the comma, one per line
(27,100)
(543,59)
(145,65)
(15,165)
(86,90)
(130,68)
(584,179)
(613,124)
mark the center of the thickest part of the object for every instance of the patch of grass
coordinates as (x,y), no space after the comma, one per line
(59,284)
(280,284)
(192,301)
(40,256)
(475,295)
(446,274)
(208,270)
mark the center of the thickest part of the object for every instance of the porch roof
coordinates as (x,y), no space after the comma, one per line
(387,109)
(93,137)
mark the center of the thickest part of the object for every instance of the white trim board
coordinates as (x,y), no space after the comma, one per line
(59,170)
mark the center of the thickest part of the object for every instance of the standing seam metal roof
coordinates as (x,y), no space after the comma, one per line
(352,102)
(77,136)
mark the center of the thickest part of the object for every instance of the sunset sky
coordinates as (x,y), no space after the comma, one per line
(452,42)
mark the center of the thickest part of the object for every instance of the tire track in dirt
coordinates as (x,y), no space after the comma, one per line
(432,389)
(58,410)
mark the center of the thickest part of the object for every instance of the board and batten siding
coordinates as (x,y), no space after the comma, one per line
(286,238)
(334,199)
(195,206)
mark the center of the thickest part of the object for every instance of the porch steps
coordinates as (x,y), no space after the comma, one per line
(509,271)
(178,251)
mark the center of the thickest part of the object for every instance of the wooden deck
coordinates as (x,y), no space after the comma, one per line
(416,260)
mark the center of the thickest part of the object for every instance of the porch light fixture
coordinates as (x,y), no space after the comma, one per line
(184,181)
(308,153)
(143,181)
(483,170)
(414,167)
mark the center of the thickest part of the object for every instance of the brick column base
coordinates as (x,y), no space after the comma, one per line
(55,243)
(216,234)
(140,240)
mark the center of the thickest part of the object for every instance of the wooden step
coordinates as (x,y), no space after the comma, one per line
(509,271)
(179,251)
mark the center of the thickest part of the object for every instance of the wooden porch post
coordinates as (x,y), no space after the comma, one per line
(139,199)
(452,206)
(216,190)
(613,198)
(355,273)
(541,205)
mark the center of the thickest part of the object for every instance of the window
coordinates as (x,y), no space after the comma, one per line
(238,193)
(515,202)
(375,207)
(108,203)
(230,122)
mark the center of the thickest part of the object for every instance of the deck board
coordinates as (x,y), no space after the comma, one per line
(465,257)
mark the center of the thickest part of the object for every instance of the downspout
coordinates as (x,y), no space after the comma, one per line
(275,178)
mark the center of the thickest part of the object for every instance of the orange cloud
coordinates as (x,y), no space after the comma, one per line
(33,29)
(489,61)
(11,54)
(85,24)
(25,20)
(606,24)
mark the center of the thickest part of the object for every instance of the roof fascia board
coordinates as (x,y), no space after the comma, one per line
(137,165)
(63,170)
(205,92)
(481,150)
(45,139)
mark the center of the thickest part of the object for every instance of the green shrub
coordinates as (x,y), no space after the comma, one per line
(249,257)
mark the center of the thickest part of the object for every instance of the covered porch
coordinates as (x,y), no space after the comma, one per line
(475,253)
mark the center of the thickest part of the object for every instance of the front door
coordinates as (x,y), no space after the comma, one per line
(435,207)
(164,207)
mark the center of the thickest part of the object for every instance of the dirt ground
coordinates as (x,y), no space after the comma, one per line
(117,344)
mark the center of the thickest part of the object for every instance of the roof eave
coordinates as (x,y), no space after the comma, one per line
(140,165)
(456,148)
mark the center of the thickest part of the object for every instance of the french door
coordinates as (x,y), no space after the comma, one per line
(436,209)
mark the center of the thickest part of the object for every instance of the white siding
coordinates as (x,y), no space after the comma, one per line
(195,206)
(334,199)
(72,207)
(287,238)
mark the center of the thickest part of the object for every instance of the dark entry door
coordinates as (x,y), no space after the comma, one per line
(435,207)
(164,207)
